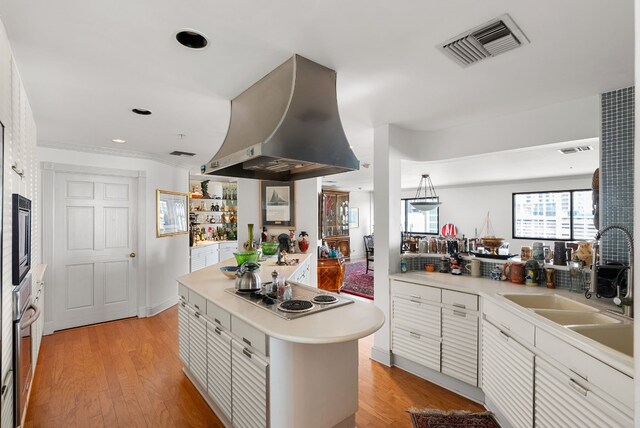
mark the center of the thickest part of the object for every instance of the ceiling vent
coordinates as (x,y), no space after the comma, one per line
(485,41)
(570,150)
(179,153)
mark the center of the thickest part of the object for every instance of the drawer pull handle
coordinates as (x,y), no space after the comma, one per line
(504,335)
(246,352)
(218,331)
(182,304)
(460,314)
(579,375)
(247,341)
(414,334)
(578,388)
(460,305)
(217,321)
(413,296)
(197,307)
(196,314)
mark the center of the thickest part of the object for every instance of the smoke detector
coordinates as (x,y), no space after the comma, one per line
(485,41)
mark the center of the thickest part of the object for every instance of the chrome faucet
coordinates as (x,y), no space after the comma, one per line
(625,301)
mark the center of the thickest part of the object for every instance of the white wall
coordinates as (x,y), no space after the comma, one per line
(636,212)
(554,123)
(364,202)
(467,206)
(165,258)
(306,213)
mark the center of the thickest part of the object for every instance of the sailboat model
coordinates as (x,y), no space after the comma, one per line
(488,238)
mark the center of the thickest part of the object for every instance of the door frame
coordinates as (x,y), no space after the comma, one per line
(47,221)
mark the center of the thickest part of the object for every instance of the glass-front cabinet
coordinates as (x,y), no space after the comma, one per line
(335,220)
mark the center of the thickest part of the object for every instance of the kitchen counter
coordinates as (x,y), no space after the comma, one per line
(494,291)
(342,324)
(292,368)
(205,243)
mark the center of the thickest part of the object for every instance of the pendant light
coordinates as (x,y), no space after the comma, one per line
(430,200)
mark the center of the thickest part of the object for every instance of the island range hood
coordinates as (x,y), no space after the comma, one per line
(286,127)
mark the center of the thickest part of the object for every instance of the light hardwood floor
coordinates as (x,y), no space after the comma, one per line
(127,373)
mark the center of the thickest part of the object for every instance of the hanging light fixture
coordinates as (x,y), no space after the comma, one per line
(430,200)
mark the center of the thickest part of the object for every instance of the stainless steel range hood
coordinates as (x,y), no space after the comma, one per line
(286,127)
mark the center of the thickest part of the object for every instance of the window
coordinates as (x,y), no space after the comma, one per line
(418,222)
(561,215)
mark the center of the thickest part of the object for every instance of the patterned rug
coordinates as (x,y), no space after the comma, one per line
(433,418)
(356,281)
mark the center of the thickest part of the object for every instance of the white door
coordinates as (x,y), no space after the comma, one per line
(94,249)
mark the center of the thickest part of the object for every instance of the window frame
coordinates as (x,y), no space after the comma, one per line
(571,222)
(405,221)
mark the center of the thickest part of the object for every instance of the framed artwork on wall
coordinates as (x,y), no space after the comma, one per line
(354,218)
(277,204)
(171,213)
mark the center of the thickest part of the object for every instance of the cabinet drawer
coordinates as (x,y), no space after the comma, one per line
(197,301)
(417,315)
(561,400)
(218,315)
(249,335)
(415,292)
(183,292)
(416,347)
(460,300)
(508,321)
(614,383)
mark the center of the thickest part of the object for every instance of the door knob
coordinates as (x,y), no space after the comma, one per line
(132,254)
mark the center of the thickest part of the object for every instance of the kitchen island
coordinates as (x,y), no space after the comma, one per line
(255,368)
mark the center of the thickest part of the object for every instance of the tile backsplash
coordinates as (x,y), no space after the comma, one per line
(616,170)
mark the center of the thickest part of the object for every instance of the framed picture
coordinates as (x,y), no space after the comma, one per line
(277,203)
(171,213)
(354,218)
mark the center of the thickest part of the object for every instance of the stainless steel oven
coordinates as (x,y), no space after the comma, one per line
(25,313)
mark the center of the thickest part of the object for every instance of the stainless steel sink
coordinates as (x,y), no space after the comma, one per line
(616,336)
(548,301)
(568,318)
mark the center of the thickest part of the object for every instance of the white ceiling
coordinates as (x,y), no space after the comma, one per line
(86,64)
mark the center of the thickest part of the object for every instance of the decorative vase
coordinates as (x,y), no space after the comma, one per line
(303,242)
(249,244)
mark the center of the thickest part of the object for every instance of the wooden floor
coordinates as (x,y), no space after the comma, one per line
(127,373)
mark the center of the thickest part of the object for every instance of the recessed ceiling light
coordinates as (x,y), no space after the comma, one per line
(141,111)
(191,39)
(119,141)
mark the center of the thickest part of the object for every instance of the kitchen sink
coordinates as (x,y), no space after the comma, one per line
(547,301)
(576,317)
(616,336)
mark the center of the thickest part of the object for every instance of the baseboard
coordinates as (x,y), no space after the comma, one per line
(382,356)
(504,423)
(155,310)
(452,384)
(48,328)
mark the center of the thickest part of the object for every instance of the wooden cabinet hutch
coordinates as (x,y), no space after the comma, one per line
(334,221)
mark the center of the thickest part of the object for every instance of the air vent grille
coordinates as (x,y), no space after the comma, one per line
(179,153)
(577,149)
(490,39)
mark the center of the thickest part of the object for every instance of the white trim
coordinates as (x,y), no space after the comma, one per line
(382,356)
(150,311)
(49,169)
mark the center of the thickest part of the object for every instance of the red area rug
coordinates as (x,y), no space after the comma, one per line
(356,281)
(433,418)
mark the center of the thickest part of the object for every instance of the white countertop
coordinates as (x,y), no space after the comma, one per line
(205,243)
(341,324)
(494,290)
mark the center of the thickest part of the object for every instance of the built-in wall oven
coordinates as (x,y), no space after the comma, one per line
(25,313)
(21,239)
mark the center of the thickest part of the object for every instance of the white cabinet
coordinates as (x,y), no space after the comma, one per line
(302,274)
(248,387)
(197,345)
(507,375)
(227,249)
(38,325)
(219,367)
(183,333)
(204,256)
(460,344)
(564,399)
